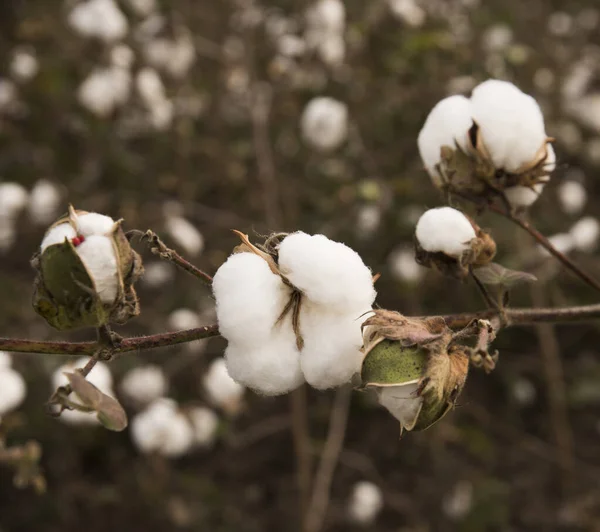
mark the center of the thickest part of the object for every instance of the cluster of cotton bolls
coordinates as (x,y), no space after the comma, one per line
(12,385)
(324,123)
(299,320)
(325,27)
(500,124)
(366,501)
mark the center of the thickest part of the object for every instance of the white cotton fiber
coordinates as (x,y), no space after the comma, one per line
(144,384)
(365,502)
(329,273)
(57,235)
(324,123)
(5,360)
(331,354)
(523,196)
(98,255)
(12,389)
(222,390)
(94,224)
(447,124)
(401,402)
(250,299)
(444,230)
(511,123)
(270,368)
(204,424)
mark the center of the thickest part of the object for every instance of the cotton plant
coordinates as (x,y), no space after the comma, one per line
(493,144)
(13,388)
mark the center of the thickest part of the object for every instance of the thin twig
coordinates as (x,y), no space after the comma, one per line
(334,444)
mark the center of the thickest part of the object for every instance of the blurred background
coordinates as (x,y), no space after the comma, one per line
(196,117)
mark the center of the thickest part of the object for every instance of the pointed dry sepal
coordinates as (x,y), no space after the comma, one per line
(86,270)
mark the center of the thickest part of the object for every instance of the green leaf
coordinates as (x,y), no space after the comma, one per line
(495,274)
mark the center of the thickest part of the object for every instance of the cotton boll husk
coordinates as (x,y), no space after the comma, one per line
(331,354)
(523,196)
(57,235)
(183,318)
(12,390)
(585,234)
(572,196)
(401,401)
(204,424)
(222,390)
(272,368)
(447,124)
(13,198)
(92,223)
(445,230)
(328,273)
(250,298)
(144,384)
(185,234)
(324,123)
(98,255)
(44,200)
(163,429)
(365,502)
(511,123)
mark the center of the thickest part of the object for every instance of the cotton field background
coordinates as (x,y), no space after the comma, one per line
(196,118)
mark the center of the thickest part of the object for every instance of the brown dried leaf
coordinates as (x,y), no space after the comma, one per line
(247,247)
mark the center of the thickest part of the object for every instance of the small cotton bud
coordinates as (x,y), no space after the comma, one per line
(585,234)
(222,390)
(144,384)
(324,123)
(12,390)
(366,501)
(572,196)
(204,425)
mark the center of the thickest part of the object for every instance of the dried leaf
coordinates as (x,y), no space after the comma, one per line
(247,246)
(495,274)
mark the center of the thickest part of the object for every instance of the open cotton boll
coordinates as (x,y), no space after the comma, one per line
(328,273)
(162,429)
(401,401)
(185,235)
(98,255)
(444,230)
(271,368)
(324,123)
(447,124)
(12,389)
(144,384)
(204,425)
(331,354)
(57,235)
(365,502)
(99,18)
(222,390)
(92,223)
(250,298)
(44,201)
(585,234)
(572,196)
(511,123)
(13,198)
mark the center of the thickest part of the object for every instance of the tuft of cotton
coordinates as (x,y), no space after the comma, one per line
(444,230)
(92,223)
(44,201)
(585,234)
(24,64)
(250,299)
(184,234)
(511,123)
(161,428)
(447,124)
(204,425)
(144,384)
(98,255)
(104,90)
(401,401)
(404,267)
(222,390)
(101,19)
(523,196)
(12,389)
(183,318)
(366,501)
(13,198)
(329,273)
(270,368)
(572,196)
(331,355)
(324,123)
(57,235)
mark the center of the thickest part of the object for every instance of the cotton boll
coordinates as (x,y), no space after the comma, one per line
(150,86)
(572,196)
(409,11)
(447,124)
(511,123)
(402,402)
(157,274)
(331,354)
(459,501)
(329,273)
(144,384)
(272,368)
(143,8)
(365,502)
(324,123)
(332,49)
(121,56)
(523,196)
(5,360)
(183,318)
(204,424)
(326,16)
(104,90)
(13,198)
(99,18)
(24,64)
(250,298)
(12,389)
(444,230)
(162,429)
(92,223)
(222,390)
(585,234)
(185,234)
(44,201)
(175,56)
(98,255)
(404,267)
(57,235)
